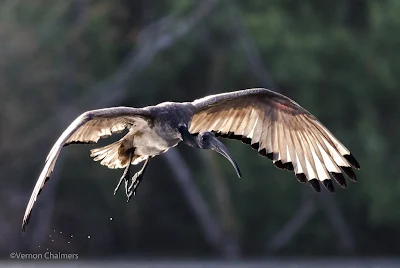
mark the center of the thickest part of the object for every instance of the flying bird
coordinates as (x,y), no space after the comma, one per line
(271,123)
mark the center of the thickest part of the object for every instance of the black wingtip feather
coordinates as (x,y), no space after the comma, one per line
(246,140)
(279,164)
(263,152)
(78,142)
(224,135)
(352,160)
(255,146)
(289,166)
(301,177)
(25,223)
(315,184)
(270,156)
(328,185)
(230,135)
(237,137)
(350,173)
(339,178)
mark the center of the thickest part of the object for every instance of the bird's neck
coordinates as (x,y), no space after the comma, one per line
(188,139)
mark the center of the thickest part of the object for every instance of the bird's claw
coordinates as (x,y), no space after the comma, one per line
(135,180)
(130,192)
(130,195)
(126,187)
(134,184)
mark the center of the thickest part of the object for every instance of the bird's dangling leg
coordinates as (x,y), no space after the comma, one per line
(136,179)
(125,176)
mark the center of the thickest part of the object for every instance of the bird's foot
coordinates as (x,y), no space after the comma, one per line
(126,187)
(123,177)
(135,181)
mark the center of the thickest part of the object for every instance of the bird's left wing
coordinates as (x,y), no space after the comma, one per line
(89,127)
(279,129)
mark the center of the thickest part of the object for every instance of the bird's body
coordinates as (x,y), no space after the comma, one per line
(271,123)
(145,138)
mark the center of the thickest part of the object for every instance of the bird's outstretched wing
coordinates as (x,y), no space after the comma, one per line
(279,129)
(89,127)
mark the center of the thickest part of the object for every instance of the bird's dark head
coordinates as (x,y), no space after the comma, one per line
(207,140)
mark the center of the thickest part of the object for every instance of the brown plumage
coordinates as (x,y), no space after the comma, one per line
(276,126)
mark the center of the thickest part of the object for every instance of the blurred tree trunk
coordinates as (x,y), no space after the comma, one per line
(346,243)
(307,209)
(250,50)
(209,224)
(226,211)
(303,215)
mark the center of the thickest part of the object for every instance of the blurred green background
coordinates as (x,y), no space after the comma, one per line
(338,59)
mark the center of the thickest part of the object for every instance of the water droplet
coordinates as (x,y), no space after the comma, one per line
(111,218)
(54,230)
(39,246)
(60,232)
(69,242)
(49,235)
(72,236)
(52,240)
(88,236)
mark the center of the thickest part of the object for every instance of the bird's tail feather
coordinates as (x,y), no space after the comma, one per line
(109,155)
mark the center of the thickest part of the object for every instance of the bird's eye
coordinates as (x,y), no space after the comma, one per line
(203,138)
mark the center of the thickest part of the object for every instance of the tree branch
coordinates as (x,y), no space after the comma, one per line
(249,47)
(346,240)
(183,176)
(284,235)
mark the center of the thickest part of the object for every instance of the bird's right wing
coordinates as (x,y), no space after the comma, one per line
(279,129)
(89,127)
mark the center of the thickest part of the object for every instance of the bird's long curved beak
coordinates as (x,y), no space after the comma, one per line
(219,147)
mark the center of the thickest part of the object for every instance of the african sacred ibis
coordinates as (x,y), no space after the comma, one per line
(276,126)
